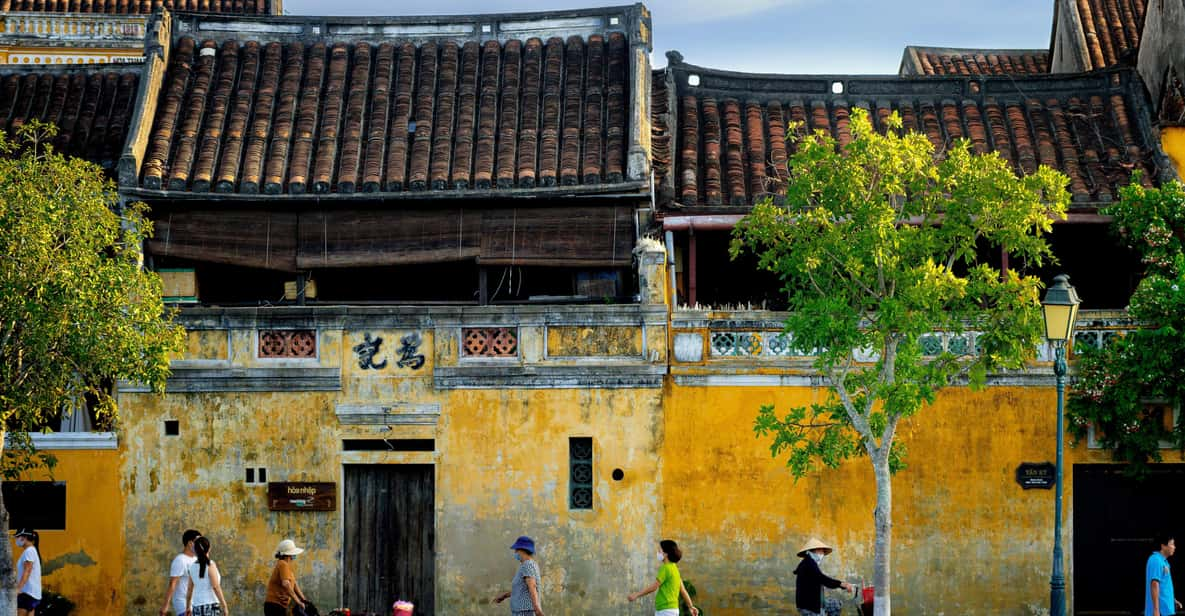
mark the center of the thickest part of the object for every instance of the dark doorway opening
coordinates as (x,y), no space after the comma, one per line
(1101,268)
(1115,520)
(390,538)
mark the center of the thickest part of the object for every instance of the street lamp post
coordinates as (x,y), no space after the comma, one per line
(1060,308)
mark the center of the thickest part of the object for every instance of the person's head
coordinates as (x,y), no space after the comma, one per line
(188,537)
(668,551)
(287,550)
(814,549)
(26,537)
(201,547)
(523,548)
(1166,544)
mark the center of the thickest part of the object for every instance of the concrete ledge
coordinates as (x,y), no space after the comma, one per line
(286,379)
(750,380)
(1033,378)
(394,414)
(64,441)
(417,317)
(550,377)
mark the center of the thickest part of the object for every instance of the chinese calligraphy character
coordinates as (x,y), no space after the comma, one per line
(366,350)
(408,358)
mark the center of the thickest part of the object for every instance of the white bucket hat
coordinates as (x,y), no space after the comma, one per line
(288,547)
(814,544)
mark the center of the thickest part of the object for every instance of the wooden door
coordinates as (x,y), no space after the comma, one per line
(1116,518)
(390,536)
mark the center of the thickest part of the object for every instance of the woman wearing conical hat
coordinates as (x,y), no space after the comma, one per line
(812,580)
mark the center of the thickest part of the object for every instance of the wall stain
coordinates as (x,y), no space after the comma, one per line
(80,558)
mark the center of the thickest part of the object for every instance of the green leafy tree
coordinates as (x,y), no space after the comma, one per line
(77,309)
(878,246)
(1114,385)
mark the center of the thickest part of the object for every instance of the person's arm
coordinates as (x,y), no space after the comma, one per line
(216,584)
(502,597)
(1155,597)
(26,570)
(189,595)
(534,595)
(827,580)
(634,596)
(290,586)
(687,599)
(169,594)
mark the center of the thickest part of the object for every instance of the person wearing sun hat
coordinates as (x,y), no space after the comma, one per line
(808,595)
(282,589)
(28,571)
(525,589)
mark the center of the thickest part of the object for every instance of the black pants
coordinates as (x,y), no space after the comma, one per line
(274,609)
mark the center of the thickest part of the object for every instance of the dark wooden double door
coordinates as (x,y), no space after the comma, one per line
(390,537)
(1115,520)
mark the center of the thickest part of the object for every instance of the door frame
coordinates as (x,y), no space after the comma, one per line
(384,458)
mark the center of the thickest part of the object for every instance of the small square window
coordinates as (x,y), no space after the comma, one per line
(172,427)
(255,475)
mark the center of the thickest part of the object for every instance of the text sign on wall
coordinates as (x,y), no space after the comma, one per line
(1040,475)
(298,496)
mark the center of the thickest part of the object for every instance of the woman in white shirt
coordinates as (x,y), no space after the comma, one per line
(28,570)
(205,584)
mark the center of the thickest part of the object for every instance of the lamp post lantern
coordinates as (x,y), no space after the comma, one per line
(1060,308)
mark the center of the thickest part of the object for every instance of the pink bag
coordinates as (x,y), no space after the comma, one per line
(402,608)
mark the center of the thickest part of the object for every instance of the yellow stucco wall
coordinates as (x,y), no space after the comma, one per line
(967,538)
(85,562)
(501,461)
(1172,141)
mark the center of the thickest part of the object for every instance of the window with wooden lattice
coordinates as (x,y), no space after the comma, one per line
(287,343)
(580,479)
(489,342)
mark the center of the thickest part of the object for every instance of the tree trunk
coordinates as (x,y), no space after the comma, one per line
(7,570)
(883,516)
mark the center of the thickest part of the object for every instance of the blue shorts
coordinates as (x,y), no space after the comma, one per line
(27,602)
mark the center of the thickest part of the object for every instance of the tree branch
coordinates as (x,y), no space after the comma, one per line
(950,261)
(810,426)
(841,272)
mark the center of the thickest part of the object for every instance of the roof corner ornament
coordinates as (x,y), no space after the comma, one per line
(674,57)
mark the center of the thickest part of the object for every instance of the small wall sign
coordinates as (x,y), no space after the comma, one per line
(1039,475)
(301,496)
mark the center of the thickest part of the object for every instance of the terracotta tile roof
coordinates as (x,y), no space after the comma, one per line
(1112,29)
(343,117)
(123,7)
(91,106)
(729,131)
(950,61)
(660,130)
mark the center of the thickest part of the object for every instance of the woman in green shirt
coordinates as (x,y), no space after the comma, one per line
(669,583)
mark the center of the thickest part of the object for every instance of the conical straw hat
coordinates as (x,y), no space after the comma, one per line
(814,544)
